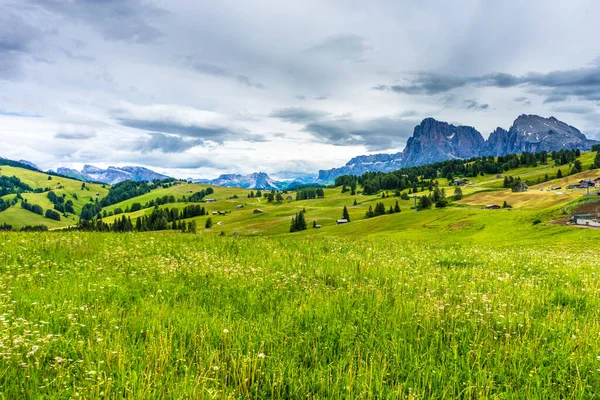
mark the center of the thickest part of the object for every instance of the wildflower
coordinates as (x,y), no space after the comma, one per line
(225,331)
(261,355)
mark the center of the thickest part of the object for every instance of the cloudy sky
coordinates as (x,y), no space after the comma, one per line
(197,88)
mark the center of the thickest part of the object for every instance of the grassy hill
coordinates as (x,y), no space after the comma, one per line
(18,217)
(464,219)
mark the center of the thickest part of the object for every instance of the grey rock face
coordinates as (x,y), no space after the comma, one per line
(256,180)
(434,141)
(532,133)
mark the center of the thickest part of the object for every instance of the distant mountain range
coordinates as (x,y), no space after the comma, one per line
(256,180)
(111,175)
(434,141)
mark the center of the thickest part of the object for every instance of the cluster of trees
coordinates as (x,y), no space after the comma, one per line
(4,204)
(12,184)
(199,196)
(51,214)
(437,197)
(60,204)
(5,227)
(272,197)
(596,163)
(34,228)
(252,195)
(34,208)
(380,210)
(310,193)
(123,191)
(298,222)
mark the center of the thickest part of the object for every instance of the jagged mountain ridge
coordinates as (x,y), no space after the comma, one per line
(256,180)
(434,141)
(112,175)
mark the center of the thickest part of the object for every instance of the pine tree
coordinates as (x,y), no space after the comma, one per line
(596,163)
(559,174)
(345,214)
(355,202)
(301,221)
(370,213)
(391,210)
(458,194)
(397,207)
(208,223)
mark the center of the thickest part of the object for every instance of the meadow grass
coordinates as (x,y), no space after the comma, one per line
(167,315)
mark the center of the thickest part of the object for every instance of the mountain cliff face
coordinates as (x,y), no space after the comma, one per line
(532,133)
(434,140)
(439,141)
(112,175)
(361,164)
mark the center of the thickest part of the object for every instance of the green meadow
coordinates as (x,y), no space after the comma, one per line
(166,315)
(456,302)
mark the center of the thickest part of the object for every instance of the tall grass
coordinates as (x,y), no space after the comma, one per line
(182,316)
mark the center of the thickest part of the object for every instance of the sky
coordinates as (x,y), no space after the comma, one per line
(198,88)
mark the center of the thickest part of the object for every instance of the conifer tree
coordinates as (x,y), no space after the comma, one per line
(397,207)
(345,214)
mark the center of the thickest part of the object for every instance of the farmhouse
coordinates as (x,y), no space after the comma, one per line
(587,183)
(460,182)
(214,213)
(221,212)
(258,211)
(341,221)
(492,207)
(597,182)
(317,226)
(210,200)
(588,222)
(289,198)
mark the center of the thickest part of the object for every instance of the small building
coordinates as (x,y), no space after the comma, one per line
(572,186)
(289,198)
(588,183)
(210,200)
(492,207)
(556,188)
(460,182)
(499,176)
(214,213)
(258,211)
(239,207)
(97,194)
(221,212)
(588,222)
(317,226)
(341,221)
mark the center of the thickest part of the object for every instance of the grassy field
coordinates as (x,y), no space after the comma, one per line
(169,315)
(18,217)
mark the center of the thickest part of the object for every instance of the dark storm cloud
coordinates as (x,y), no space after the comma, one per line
(474,105)
(342,47)
(166,143)
(207,68)
(75,135)
(214,133)
(297,114)
(555,86)
(382,133)
(117,20)
(16,41)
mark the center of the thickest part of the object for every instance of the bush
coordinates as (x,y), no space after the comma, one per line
(537,221)
(51,214)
